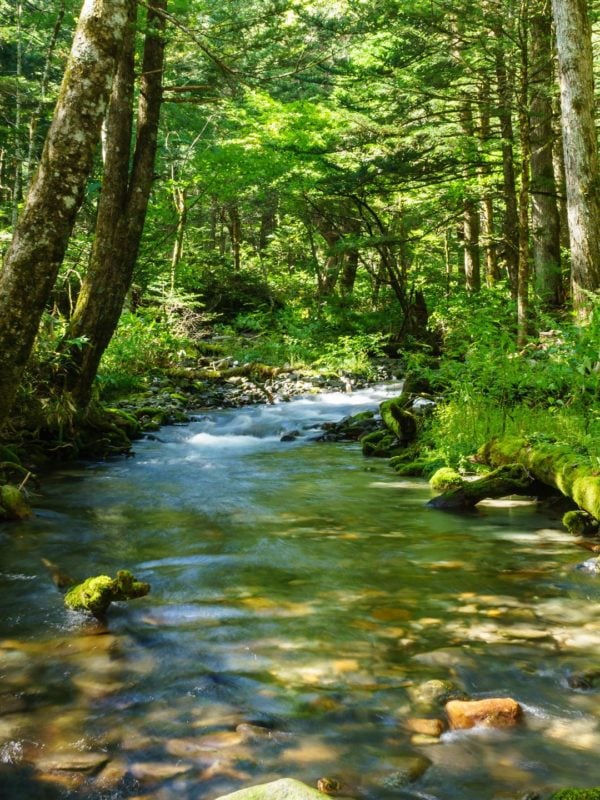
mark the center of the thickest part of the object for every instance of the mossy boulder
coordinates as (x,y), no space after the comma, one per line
(445,478)
(379,444)
(580,523)
(511,479)
(96,594)
(576,794)
(284,789)
(398,420)
(13,505)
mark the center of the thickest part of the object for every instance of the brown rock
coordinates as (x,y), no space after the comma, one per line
(494,712)
(427,727)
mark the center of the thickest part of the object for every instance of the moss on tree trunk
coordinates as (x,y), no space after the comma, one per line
(557,465)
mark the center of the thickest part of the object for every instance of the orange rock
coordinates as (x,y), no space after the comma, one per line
(427,727)
(491,713)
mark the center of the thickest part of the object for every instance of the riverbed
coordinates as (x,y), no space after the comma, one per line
(301,596)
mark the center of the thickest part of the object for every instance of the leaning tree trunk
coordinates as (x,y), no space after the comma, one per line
(123,206)
(575,60)
(43,230)
(545,218)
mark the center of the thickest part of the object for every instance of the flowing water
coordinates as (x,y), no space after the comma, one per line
(301,597)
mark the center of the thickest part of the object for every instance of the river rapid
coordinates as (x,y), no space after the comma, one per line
(301,597)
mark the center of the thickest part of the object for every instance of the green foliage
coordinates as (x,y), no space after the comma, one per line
(551,386)
(142,344)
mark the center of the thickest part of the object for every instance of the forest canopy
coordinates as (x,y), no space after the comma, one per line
(317,183)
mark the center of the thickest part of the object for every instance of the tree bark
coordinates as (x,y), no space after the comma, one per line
(510,225)
(43,230)
(525,142)
(487,205)
(123,204)
(575,60)
(545,219)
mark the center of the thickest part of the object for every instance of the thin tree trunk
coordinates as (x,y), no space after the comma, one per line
(487,207)
(180,203)
(17,194)
(545,220)
(44,227)
(510,227)
(234,226)
(525,141)
(575,59)
(123,204)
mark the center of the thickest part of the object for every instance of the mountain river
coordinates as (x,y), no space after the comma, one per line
(302,598)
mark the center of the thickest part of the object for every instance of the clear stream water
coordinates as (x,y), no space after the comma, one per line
(301,596)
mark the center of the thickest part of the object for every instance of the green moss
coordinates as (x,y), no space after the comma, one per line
(557,465)
(96,594)
(398,420)
(576,794)
(445,478)
(506,480)
(580,523)
(13,505)
(378,444)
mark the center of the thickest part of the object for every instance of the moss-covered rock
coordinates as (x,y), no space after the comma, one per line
(379,444)
(580,523)
(13,505)
(96,594)
(445,478)
(398,420)
(284,789)
(577,794)
(511,479)
(553,463)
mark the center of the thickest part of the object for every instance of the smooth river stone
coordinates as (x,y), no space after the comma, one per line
(489,713)
(426,727)
(150,771)
(284,789)
(71,762)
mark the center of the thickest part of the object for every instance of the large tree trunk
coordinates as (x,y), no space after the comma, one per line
(575,59)
(43,230)
(545,219)
(123,204)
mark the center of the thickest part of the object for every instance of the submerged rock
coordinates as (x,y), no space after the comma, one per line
(96,594)
(72,762)
(284,789)
(426,727)
(435,693)
(489,713)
